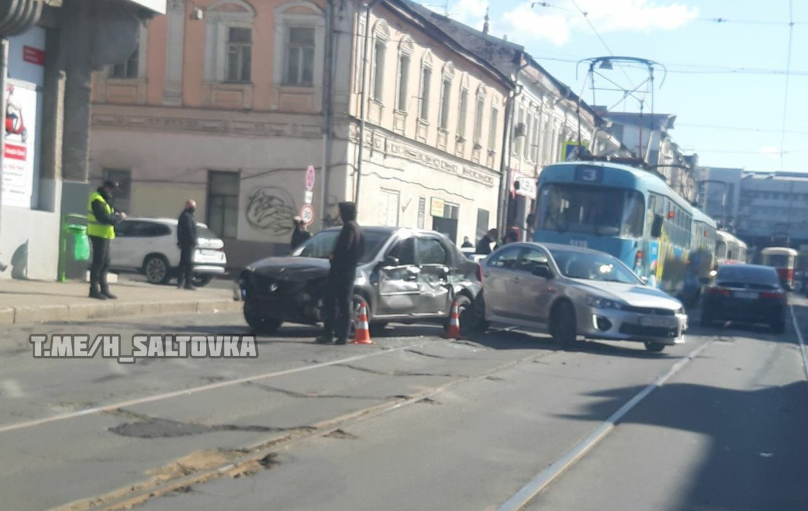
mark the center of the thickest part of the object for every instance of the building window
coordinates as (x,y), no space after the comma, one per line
(478,118)
(123,196)
(300,57)
(446,97)
(377,86)
(493,129)
(421,211)
(128,69)
(388,207)
(228,42)
(222,200)
(536,140)
(464,106)
(426,81)
(239,54)
(482,223)
(403,79)
(528,135)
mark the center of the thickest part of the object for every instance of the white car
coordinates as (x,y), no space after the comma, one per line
(149,246)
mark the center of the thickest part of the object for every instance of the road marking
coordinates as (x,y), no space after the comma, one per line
(194,390)
(548,475)
(802,342)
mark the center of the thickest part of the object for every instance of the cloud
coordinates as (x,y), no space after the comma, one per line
(524,23)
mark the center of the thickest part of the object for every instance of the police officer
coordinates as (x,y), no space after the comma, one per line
(101,218)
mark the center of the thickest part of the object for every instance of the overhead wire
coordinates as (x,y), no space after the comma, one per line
(788,78)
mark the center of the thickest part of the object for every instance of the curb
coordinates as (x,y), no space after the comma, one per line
(84,312)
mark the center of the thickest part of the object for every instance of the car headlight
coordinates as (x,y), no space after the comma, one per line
(603,303)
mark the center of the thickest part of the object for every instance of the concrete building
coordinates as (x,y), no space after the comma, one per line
(231,101)
(45,158)
(763,208)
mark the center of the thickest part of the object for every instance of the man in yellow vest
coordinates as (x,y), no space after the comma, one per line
(101,219)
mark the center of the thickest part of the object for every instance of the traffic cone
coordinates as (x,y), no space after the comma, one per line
(454,323)
(362,328)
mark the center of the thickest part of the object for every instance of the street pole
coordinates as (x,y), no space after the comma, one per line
(362,107)
(3,79)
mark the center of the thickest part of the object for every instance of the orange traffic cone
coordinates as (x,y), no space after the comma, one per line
(362,328)
(454,323)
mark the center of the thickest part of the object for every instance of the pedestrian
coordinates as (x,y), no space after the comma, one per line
(466,243)
(101,219)
(484,245)
(187,241)
(339,291)
(300,235)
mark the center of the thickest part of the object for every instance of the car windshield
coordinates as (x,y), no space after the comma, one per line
(742,275)
(321,245)
(592,266)
(778,261)
(591,210)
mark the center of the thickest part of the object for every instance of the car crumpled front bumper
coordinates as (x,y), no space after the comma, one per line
(622,325)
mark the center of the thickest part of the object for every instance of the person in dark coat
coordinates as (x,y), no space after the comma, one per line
(345,258)
(484,245)
(466,243)
(187,240)
(300,235)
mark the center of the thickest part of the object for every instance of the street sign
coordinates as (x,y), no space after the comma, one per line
(307,214)
(310,176)
(308,197)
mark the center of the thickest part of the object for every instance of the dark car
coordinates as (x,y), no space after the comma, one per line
(405,275)
(746,293)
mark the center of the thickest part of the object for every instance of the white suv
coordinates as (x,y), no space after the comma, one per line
(149,246)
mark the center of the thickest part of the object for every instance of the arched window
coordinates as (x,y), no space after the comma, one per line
(381,34)
(445,96)
(426,84)
(299,42)
(405,51)
(463,108)
(479,113)
(493,126)
(228,41)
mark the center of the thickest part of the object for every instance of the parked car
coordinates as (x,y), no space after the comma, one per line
(570,292)
(405,275)
(746,293)
(149,246)
(472,255)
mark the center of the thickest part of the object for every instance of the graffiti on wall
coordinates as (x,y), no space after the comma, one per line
(271,209)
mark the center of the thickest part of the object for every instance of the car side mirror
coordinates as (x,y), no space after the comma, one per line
(391,261)
(656,227)
(543,272)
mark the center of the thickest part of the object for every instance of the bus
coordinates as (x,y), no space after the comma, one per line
(784,260)
(627,212)
(729,249)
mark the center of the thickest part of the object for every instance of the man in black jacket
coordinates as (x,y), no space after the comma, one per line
(187,240)
(484,245)
(345,258)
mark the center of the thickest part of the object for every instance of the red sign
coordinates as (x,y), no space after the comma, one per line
(33,55)
(307,214)
(310,176)
(16,152)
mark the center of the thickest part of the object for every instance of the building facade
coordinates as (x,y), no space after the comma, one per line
(230,102)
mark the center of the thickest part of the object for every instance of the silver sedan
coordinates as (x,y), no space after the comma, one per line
(573,292)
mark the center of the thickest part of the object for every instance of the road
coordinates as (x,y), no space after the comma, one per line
(497,422)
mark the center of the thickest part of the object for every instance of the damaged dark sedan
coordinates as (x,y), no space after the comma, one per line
(405,276)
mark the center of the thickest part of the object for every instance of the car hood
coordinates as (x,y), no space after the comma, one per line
(634,295)
(291,268)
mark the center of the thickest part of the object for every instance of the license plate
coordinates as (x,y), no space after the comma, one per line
(657,322)
(746,295)
(208,252)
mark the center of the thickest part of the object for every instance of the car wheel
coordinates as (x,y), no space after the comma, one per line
(562,325)
(654,347)
(778,327)
(478,322)
(259,321)
(156,269)
(202,280)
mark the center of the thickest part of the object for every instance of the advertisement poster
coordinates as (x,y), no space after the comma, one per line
(20,130)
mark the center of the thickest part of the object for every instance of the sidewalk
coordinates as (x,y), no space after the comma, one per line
(27,302)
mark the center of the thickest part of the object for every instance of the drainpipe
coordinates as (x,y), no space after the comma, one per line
(3,74)
(327,93)
(363,106)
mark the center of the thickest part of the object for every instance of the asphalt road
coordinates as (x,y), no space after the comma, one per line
(498,422)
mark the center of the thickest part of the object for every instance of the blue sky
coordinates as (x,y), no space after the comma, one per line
(703,86)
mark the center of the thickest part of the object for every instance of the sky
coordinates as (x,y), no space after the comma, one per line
(726,81)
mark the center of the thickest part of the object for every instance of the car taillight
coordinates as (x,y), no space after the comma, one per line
(480,272)
(772,295)
(720,291)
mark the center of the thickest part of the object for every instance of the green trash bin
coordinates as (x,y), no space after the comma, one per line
(81,244)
